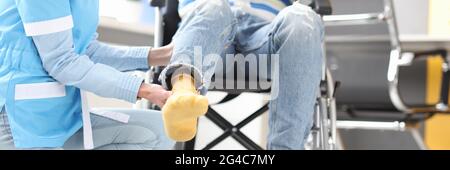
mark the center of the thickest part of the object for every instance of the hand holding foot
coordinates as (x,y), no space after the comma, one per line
(182,109)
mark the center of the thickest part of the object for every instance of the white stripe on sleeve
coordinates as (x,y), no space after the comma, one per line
(49,26)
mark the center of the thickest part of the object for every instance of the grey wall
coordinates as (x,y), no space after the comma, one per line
(117,36)
(412,16)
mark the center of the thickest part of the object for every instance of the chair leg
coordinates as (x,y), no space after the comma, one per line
(179,146)
(190,145)
(217,140)
(245,141)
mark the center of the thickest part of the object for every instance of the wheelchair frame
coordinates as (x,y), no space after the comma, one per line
(323,133)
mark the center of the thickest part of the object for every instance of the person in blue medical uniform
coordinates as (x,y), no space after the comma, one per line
(50,58)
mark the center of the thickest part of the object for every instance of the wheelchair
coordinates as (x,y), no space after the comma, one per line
(323,133)
(387,86)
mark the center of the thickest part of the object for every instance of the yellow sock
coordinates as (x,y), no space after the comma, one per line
(182,109)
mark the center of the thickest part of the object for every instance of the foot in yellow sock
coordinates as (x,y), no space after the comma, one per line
(182,109)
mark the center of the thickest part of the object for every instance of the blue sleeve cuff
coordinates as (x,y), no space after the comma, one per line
(128,87)
(139,57)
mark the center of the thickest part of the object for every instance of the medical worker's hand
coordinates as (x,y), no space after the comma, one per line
(154,93)
(160,56)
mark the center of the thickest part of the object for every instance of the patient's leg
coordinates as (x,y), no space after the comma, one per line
(296,36)
(183,108)
(210,28)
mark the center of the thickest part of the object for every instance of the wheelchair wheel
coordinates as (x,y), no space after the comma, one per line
(323,133)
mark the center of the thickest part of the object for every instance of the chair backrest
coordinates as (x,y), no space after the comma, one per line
(171,20)
(362,69)
(322,7)
(359,57)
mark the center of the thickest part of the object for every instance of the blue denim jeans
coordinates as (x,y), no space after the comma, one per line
(144,131)
(296,35)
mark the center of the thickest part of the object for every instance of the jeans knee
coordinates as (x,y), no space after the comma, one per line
(300,20)
(219,9)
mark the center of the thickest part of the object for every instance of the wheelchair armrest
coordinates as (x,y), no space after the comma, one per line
(322,7)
